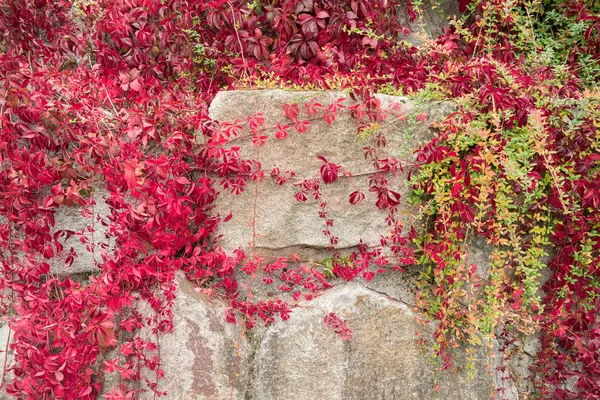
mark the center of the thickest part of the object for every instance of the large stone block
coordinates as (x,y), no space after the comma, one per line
(200,357)
(433,17)
(304,359)
(89,235)
(281,223)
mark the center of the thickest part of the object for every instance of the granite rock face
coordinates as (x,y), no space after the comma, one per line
(282,223)
(388,356)
(200,357)
(5,357)
(88,249)
(304,359)
(429,23)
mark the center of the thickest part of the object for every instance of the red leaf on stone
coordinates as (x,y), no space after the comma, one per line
(301,197)
(301,126)
(356,197)
(281,131)
(291,110)
(329,171)
(338,325)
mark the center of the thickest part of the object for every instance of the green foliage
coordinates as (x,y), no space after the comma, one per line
(557,37)
(543,32)
(199,52)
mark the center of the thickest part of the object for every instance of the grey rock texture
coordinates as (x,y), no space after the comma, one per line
(71,219)
(295,226)
(5,358)
(479,253)
(428,25)
(521,359)
(304,359)
(200,357)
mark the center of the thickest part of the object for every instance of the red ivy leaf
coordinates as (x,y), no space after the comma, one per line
(301,197)
(356,197)
(133,169)
(393,197)
(421,117)
(258,139)
(232,129)
(368,275)
(313,107)
(329,171)
(456,189)
(301,126)
(281,131)
(329,117)
(338,325)
(291,110)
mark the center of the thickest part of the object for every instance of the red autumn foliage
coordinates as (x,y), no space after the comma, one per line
(112,93)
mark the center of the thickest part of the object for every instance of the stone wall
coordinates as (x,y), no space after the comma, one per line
(389,355)
(302,357)
(293,226)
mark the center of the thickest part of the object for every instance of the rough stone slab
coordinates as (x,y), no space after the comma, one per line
(283,223)
(479,254)
(434,16)
(199,356)
(304,359)
(70,218)
(522,358)
(5,358)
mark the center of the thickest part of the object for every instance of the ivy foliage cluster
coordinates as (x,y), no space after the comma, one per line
(115,94)
(518,166)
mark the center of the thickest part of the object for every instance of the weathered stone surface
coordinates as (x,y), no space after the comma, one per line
(428,25)
(199,356)
(522,357)
(5,358)
(282,223)
(71,218)
(479,254)
(303,358)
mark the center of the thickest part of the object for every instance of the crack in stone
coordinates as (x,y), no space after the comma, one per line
(528,353)
(299,247)
(387,295)
(254,340)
